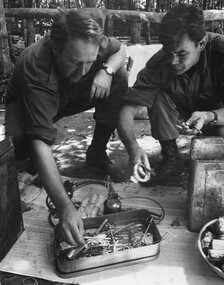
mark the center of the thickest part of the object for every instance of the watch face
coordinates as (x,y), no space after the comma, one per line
(109,70)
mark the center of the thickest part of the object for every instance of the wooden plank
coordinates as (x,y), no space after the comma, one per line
(179,261)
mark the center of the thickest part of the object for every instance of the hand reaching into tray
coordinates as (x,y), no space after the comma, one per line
(71,225)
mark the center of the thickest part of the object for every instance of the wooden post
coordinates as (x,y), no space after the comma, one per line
(109,26)
(30,32)
(24,25)
(135,32)
(5,62)
(147,35)
(30,25)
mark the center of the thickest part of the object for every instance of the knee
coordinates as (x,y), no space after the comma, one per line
(164,106)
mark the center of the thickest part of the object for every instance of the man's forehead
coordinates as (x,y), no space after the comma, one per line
(183,45)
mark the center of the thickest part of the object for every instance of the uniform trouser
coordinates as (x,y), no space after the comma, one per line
(106,110)
(164,115)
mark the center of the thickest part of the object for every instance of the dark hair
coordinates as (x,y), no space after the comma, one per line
(72,25)
(182,20)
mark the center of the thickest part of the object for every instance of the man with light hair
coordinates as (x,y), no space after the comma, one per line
(70,70)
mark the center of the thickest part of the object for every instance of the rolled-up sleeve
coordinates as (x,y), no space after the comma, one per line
(40,107)
(108,46)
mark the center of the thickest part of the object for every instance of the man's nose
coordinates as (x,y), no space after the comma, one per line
(175,59)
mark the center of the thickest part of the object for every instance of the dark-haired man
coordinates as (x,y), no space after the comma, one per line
(70,70)
(183,81)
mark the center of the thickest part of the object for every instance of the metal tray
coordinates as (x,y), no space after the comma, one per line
(71,268)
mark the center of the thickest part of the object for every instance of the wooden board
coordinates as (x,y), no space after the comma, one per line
(179,261)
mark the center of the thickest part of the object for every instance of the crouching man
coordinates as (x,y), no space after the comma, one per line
(69,70)
(184,81)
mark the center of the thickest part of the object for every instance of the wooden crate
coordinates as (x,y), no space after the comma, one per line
(11,222)
(206,181)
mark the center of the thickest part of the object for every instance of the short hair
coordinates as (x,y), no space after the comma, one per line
(72,25)
(183,19)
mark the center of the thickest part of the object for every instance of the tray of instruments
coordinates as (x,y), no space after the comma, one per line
(110,240)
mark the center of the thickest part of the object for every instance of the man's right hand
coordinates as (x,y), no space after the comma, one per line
(139,156)
(71,225)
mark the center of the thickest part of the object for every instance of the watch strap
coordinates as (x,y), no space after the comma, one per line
(215,120)
(104,67)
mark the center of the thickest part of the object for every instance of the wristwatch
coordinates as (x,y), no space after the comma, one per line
(109,70)
(215,120)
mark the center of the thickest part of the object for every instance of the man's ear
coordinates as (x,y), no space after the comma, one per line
(203,43)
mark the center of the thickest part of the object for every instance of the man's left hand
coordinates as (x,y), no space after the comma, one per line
(194,125)
(101,86)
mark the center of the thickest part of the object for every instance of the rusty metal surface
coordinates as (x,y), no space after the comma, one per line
(206,181)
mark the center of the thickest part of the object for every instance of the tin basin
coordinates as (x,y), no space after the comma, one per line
(71,268)
(200,236)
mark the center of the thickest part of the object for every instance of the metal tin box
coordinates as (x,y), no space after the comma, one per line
(67,269)
(11,221)
(206,181)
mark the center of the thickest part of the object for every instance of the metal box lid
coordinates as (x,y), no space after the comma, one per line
(207,148)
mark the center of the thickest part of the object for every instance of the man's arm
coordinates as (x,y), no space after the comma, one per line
(69,220)
(127,135)
(102,81)
(117,60)
(209,116)
(200,118)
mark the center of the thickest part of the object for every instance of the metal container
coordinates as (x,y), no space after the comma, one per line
(206,181)
(11,222)
(71,268)
(213,267)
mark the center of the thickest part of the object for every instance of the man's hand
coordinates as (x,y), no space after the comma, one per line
(71,225)
(192,126)
(139,156)
(101,86)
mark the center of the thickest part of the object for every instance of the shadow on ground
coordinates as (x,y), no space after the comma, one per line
(75,135)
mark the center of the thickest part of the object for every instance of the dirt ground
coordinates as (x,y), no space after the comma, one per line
(74,137)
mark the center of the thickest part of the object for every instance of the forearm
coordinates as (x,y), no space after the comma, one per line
(126,127)
(209,116)
(117,60)
(49,174)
